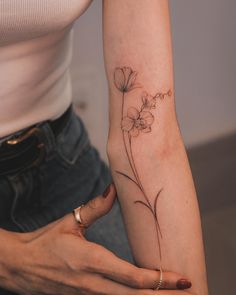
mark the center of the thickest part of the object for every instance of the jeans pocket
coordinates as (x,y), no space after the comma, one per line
(72,141)
(26,190)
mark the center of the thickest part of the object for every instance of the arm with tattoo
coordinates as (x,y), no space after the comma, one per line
(135,122)
(145,148)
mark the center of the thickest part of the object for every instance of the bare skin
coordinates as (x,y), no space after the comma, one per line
(146,151)
(57,259)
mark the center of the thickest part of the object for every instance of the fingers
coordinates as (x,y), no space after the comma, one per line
(173,292)
(98,206)
(89,213)
(101,285)
(104,262)
(172,280)
(114,268)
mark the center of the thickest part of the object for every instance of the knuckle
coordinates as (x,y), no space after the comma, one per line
(138,280)
(99,204)
(94,258)
(169,279)
(165,284)
(85,286)
(93,204)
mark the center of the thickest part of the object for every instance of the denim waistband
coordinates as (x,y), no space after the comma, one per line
(52,123)
(68,143)
(47,134)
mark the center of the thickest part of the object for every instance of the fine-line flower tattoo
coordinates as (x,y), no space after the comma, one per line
(136,121)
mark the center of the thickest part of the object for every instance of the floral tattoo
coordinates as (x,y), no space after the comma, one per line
(135,122)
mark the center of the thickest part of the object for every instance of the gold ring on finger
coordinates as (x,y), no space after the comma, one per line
(159,285)
(77,216)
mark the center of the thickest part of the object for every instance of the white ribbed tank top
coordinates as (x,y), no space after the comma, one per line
(35,53)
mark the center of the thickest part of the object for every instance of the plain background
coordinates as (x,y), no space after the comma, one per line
(204,47)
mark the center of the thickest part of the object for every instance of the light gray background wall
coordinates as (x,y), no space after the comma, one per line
(204,46)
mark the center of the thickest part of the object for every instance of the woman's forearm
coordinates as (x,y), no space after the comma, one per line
(172,238)
(145,148)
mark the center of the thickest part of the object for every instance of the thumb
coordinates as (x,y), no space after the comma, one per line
(98,206)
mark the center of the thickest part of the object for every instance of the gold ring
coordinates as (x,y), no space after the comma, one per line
(160,280)
(77,216)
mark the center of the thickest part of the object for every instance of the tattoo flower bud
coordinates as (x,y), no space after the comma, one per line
(124,79)
(137,121)
(149,101)
(162,95)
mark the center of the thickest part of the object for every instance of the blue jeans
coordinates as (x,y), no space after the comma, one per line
(71,174)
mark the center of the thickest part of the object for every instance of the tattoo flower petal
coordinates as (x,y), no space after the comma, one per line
(124,79)
(133,113)
(149,101)
(134,132)
(119,79)
(136,121)
(147,117)
(146,130)
(127,124)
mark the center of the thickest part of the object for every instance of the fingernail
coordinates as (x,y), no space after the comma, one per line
(183,284)
(106,192)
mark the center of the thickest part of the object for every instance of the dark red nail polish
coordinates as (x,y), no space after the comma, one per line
(183,284)
(106,192)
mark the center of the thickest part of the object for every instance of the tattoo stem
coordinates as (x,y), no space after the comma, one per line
(157,226)
(138,179)
(138,120)
(126,150)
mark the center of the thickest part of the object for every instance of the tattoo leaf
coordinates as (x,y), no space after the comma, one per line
(146,205)
(155,211)
(155,201)
(127,176)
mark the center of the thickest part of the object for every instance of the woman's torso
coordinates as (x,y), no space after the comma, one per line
(35,54)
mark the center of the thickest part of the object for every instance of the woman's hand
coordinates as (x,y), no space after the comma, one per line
(57,259)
